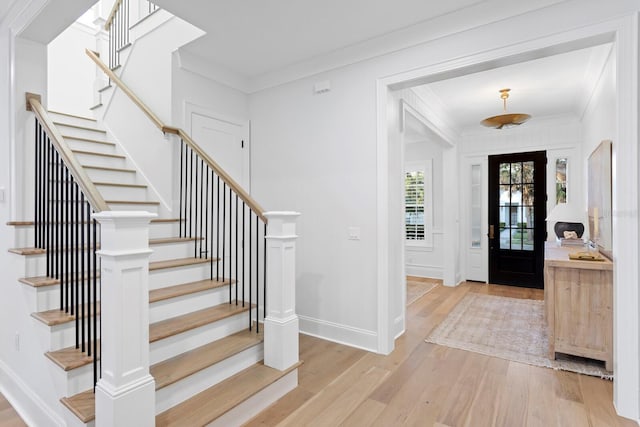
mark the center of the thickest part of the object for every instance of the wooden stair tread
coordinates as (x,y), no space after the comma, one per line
(215,401)
(58,317)
(80,127)
(104,168)
(70,358)
(177,325)
(169,292)
(131,202)
(37,282)
(30,223)
(181,366)
(93,153)
(96,141)
(164,240)
(28,251)
(73,115)
(178,262)
(83,405)
(117,184)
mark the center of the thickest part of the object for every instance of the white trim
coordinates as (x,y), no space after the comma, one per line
(420,270)
(624,31)
(33,410)
(341,334)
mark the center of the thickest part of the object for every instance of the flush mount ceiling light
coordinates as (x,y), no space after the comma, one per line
(505,120)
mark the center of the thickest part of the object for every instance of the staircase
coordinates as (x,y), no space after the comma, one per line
(205,358)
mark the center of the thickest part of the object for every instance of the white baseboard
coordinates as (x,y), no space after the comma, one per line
(341,334)
(398,326)
(429,271)
(33,410)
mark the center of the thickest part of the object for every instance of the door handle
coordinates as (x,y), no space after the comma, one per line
(491,232)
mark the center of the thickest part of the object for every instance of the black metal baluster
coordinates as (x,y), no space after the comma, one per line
(67,249)
(244,266)
(36,180)
(48,216)
(257,276)
(201,204)
(58,206)
(211,240)
(95,294)
(206,218)
(230,242)
(62,249)
(250,268)
(76,262)
(194,226)
(237,281)
(80,312)
(190,192)
(264,274)
(218,233)
(181,181)
(91,302)
(224,218)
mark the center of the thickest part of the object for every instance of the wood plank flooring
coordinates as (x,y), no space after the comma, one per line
(8,416)
(421,384)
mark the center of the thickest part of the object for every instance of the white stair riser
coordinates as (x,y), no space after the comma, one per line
(182,390)
(177,344)
(108,162)
(78,144)
(72,420)
(82,133)
(73,381)
(133,207)
(164,251)
(175,276)
(62,118)
(258,402)
(110,192)
(23,237)
(178,306)
(47,298)
(59,336)
(163,229)
(100,175)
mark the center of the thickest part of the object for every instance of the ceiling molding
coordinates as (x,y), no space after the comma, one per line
(216,72)
(593,74)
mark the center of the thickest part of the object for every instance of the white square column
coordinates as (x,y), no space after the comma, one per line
(125,395)
(281,321)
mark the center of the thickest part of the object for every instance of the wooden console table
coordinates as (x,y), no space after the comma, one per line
(579,304)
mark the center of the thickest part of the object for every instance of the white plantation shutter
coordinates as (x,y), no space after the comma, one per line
(415,205)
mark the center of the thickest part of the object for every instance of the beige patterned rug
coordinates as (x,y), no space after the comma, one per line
(418,288)
(508,328)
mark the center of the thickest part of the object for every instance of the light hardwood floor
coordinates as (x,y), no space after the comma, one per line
(422,384)
(8,416)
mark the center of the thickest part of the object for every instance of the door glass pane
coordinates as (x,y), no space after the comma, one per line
(527,172)
(505,238)
(476,208)
(505,194)
(505,173)
(527,243)
(561,180)
(516,173)
(516,194)
(527,194)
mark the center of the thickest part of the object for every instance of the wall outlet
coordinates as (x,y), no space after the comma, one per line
(1,194)
(16,341)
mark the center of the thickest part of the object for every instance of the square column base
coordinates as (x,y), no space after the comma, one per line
(132,407)
(281,342)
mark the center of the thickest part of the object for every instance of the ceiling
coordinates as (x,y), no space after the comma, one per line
(254,37)
(558,85)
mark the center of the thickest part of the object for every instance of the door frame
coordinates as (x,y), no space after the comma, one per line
(623,31)
(540,210)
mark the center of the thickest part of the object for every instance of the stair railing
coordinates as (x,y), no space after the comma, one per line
(118,25)
(65,199)
(228,224)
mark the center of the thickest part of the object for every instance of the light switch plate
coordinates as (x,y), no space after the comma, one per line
(354,233)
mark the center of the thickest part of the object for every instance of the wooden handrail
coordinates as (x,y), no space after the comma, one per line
(77,171)
(114,9)
(244,196)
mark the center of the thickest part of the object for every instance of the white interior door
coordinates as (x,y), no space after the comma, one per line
(226,142)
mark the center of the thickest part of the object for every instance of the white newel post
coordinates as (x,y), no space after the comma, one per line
(125,395)
(281,321)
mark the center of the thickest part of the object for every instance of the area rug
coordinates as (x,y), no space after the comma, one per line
(418,288)
(508,328)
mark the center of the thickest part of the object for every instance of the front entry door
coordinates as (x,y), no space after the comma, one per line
(517,211)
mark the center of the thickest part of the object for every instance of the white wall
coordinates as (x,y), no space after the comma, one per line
(71,73)
(24,371)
